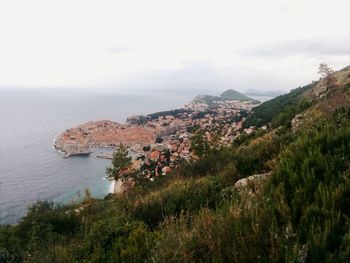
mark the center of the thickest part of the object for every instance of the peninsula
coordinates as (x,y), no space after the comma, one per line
(163,137)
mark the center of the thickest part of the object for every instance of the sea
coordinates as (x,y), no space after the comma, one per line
(31,170)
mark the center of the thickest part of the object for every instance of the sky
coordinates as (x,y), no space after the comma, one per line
(259,45)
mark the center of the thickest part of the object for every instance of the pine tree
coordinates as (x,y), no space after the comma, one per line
(120,164)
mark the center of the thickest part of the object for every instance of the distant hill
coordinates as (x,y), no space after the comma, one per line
(234,95)
(226,95)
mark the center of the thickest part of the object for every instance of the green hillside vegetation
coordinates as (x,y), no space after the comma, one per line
(175,112)
(287,104)
(300,213)
(235,95)
(282,109)
(226,95)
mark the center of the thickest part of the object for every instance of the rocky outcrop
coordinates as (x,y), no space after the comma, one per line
(251,183)
(296,121)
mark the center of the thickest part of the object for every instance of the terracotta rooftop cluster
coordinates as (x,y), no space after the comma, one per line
(175,132)
(104,134)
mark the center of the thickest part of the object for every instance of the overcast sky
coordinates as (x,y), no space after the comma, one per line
(251,44)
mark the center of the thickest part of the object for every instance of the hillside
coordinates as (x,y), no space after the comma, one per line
(225,96)
(265,112)
(277,194)
(288,105)
(234,95)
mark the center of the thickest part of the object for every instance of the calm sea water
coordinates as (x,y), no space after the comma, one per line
(31,169)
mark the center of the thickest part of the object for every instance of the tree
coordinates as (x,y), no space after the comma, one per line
(120,164)
(146,148)
(328,75)
(159,139)
(199,144)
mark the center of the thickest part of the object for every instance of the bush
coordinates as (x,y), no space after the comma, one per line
(180,197)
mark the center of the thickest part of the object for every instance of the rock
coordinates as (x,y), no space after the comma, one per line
(251,182)
(118,187)
(166,170)
(320,90)
(296,121)
(123,187)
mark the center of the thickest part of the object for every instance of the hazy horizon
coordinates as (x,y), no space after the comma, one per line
(174,91)
(160,45)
